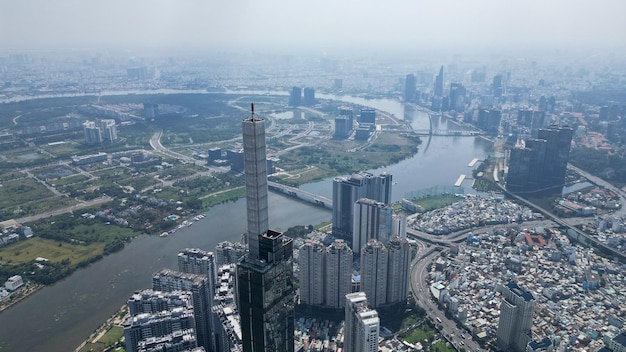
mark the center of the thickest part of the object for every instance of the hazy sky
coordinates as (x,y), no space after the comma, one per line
(316,24)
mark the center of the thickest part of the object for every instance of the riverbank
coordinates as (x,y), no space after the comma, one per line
(21,295)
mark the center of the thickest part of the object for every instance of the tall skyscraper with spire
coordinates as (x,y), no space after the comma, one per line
(265,276)
(255,168)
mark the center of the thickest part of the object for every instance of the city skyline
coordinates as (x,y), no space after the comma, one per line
(247,25)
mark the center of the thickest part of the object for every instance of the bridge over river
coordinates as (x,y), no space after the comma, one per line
(456,133)
(301,194)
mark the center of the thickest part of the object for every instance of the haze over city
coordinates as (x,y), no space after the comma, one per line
(326,26)
(300,176)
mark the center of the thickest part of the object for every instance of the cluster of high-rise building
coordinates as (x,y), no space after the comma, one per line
(249,306)
(297,98)
(539,164)
(346,191)
(177,310)
(384,271)
(325,273)
(101,131)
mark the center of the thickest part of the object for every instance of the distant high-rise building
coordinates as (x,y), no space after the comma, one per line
(236,159)
(295,98)
(312,263)
(457,97)
(489,120)
(344,122)
(439,83)
(139,73)
(229,252)
(539,165)
(497,87)
(265,282)
(342,127)
(348,113)
(559,140)
(338,84)
(516,318)
(93,133)
(368,116)
(409,87)
(534,120)
(374,262)
(361,325)
(109,132)
(604,113)
(398,270)
(372,220)
(309,97)
(168,281)
(346,191)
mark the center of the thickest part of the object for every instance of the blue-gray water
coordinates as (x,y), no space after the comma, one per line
(60,317)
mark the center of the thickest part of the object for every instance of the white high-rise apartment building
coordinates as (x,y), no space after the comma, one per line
(338,274)
(398,269)
(325,273)
(312,265)
(374,262)
(109,132)
(516,318)
(93,133)
(362,326)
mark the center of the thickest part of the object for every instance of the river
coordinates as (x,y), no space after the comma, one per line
(61,316)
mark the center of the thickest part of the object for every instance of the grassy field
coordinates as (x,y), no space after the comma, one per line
(20,191)
(10,175)
(423,334)
(218,198)
(70,180)
(43,205)
(109,339)
(441,346)
(64,150)
(53,172)
(436,202)
(55,251)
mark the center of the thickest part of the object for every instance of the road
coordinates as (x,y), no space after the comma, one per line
(421,292)
(600,182)
(60,211)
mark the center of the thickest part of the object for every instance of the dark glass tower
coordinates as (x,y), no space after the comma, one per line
(539,165)
(266,294)
(439,83)
(409,87)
